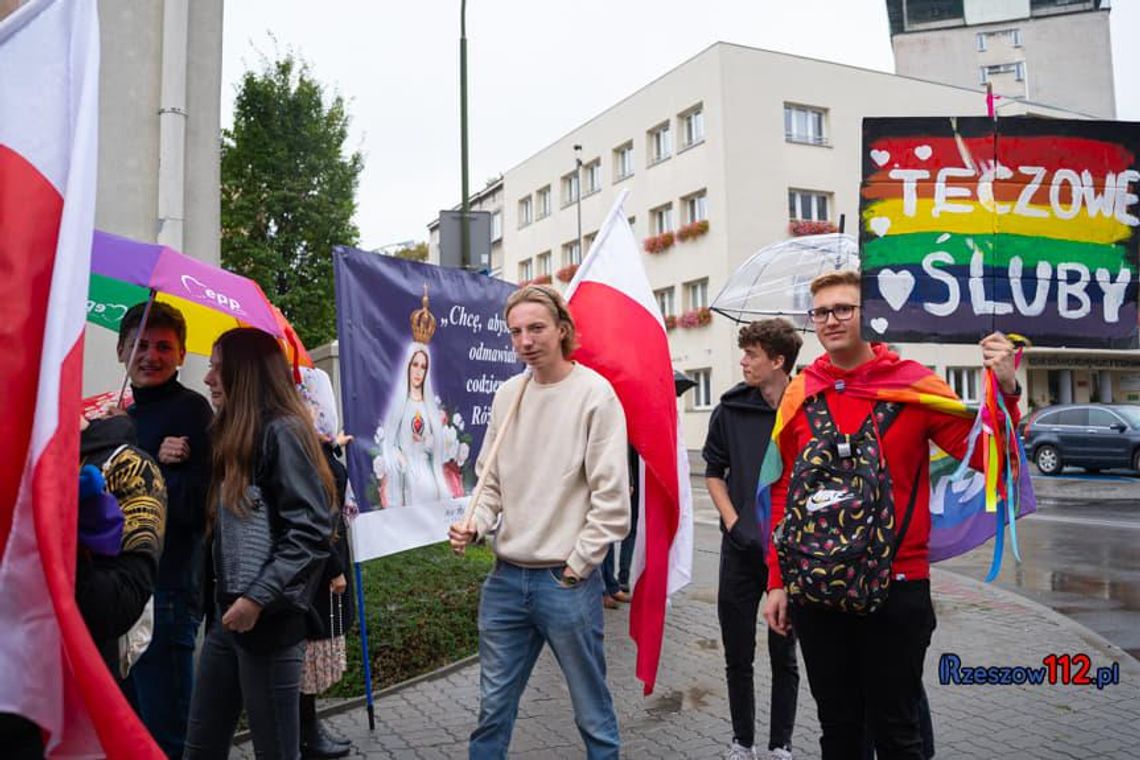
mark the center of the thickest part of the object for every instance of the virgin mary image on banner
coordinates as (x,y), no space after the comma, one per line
(412,437)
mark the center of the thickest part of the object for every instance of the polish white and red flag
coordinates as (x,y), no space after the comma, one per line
(622,336)
(50,670)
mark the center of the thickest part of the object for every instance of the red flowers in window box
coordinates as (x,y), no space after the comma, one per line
(695,318)
(670,322)
(693,230)
(798,227)
(542,279)
(659,243)
(566,273)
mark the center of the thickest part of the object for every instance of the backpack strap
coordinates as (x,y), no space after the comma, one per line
(910,504)
(819,416)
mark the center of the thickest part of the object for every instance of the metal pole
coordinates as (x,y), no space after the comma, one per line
(135,346)
(465,231)
(365,657)
(578,179)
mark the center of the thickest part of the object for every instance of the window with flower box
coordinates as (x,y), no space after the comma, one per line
(543,264)
(661,219)
(665,302)
(526,270)
(807,205)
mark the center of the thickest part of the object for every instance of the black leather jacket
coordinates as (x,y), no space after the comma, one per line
(300,525)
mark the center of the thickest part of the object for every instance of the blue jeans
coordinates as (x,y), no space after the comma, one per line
(160,683)
(521,609)
(266,684)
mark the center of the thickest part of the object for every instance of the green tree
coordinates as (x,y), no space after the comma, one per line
(417,252)
(289,192)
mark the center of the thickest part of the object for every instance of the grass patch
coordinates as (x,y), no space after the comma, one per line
(422,609)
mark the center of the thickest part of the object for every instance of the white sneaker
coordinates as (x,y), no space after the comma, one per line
(740,752)
(779,754)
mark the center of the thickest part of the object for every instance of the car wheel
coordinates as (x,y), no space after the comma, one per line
(1048,460)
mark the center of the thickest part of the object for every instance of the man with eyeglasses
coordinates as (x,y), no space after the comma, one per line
(865,670)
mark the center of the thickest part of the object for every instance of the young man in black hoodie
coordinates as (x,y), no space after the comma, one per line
(171,422)
(738,435)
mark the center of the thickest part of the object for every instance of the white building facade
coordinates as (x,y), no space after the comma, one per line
(722,155)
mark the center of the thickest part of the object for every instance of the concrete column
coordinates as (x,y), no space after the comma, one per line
(1066,386)
(1104,386)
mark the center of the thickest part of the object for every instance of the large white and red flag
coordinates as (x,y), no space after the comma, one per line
(622,336)
(50,670)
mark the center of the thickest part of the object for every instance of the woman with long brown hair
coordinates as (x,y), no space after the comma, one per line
(270,524)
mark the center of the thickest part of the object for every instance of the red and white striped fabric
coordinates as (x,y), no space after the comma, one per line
(52,673)
(622,336)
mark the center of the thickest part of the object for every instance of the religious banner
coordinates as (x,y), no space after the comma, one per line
(1028,226)
(422,351)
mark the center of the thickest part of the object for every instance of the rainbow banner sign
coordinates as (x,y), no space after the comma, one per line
(1029,226)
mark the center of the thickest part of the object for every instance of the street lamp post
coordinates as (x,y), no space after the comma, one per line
(578,194)
(465,232)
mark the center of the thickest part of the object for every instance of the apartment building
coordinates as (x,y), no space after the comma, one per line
(1050,51)
(732,150)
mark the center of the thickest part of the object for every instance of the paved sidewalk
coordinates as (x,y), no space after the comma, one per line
(687,716)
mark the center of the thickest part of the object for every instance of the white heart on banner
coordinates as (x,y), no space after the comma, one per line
(879,325)
(879,225)
(895,286)
(923,152)
(880,157)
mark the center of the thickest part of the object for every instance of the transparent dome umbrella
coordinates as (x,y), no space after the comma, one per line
(774,282)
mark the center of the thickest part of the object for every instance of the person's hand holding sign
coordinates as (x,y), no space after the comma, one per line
(997,354)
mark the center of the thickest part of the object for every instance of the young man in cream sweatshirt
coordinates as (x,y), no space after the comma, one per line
(556,497)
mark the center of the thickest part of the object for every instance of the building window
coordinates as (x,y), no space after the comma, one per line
(543,198)
(692,126)
(1013,36)
(697,294)
(543,267)
(588,242)
(571,253)
(665,302)
(496,226)
(964,381)
(623,162)
(593,172)
(804,205)
(525,212)
(526,270)
(661,218)
(987,73)
(570,188)
(660,144)
(701,397)
(804,125)
(695,207)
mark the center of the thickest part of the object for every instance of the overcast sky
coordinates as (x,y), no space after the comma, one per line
(536,69)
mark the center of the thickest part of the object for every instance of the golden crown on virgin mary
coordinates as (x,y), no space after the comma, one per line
(423,321)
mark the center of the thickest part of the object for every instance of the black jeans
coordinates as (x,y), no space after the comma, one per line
(230,677)
(743,581)
(866,672)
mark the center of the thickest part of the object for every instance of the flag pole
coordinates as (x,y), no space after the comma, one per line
(363,618)
(135,346)
(469,515)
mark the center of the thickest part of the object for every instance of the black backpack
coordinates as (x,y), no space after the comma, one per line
(837,540)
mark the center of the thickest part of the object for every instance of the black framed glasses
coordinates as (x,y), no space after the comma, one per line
(842,312)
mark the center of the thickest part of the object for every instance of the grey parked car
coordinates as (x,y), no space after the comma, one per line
(1093,436)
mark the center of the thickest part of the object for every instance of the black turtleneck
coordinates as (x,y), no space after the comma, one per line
(173,410)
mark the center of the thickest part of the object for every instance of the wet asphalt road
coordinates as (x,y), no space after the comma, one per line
(1080,557)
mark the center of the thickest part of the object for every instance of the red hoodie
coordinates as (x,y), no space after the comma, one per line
(905,448)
